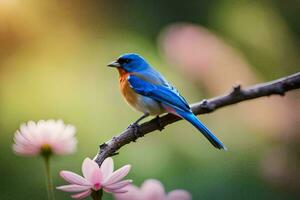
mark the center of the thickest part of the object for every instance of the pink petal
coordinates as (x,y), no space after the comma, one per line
(107,167)
(179,195)
(81,195)
(153,190)
(65,147)
(88,167)
(31,137)
(21,150)
(117,175)
(73,188)
(133,193)
(21,138)
(118,185)
(119,191)
(96,176)
(74,178)
(25,146)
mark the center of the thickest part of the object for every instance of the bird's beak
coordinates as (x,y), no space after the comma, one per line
(114,64)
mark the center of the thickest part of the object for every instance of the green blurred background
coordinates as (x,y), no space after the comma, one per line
(53,57)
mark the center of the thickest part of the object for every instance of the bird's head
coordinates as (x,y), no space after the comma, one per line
(129,62)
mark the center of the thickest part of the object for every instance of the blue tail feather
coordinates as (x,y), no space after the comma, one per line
(202,128)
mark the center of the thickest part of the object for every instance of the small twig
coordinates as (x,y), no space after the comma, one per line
(276,87)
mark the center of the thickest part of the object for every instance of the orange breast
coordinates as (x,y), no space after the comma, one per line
(127,92)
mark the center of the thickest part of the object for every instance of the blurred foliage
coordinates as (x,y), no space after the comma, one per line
(53,57)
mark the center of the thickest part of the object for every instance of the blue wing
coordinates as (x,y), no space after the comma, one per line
(163,93)
(153,76)
(169,96)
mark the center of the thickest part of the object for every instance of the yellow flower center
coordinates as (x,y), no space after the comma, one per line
(46,150)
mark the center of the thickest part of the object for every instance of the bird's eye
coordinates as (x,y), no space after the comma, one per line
(126,61)
(123,60)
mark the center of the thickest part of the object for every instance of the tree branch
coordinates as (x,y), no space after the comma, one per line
(276,87)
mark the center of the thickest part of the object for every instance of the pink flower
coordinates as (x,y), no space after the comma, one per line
(152,190)
(95,179)
(45,137)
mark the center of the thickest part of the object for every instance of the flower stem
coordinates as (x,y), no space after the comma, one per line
(49,183)
(97,195)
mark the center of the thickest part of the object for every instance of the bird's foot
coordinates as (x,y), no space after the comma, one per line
(135,129)
(159,123)
(133,125)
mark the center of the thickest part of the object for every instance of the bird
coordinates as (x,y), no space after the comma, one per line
(147,91)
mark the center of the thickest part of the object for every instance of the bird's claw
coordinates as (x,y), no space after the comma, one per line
(132,125)
(159,123)
(135,128)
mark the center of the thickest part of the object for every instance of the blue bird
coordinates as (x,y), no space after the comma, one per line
(146,90)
